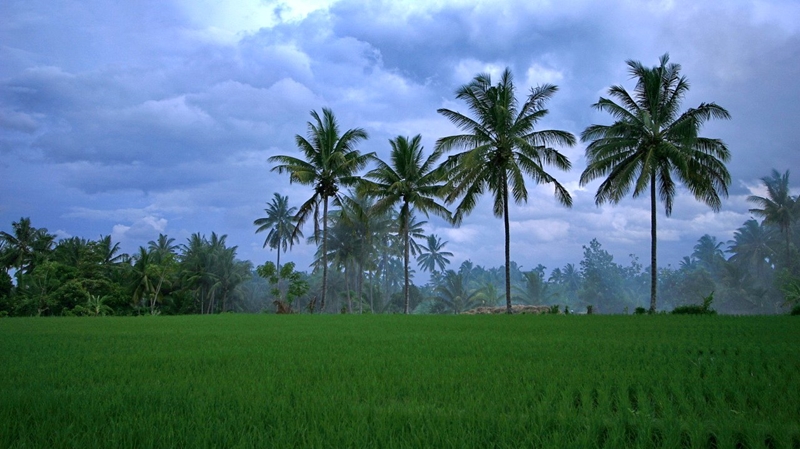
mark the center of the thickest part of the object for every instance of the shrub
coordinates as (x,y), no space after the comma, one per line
(640,311)
(795,310)
(554,309)
(694,309)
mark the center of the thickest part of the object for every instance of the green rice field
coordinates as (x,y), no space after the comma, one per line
(336,381)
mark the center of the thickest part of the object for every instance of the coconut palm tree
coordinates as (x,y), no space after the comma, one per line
(281,223)
(751,247)
(453,293)
(411,182)
(652,144)
(778,208)
(25,246)
(501,147)
(162,248)
(708,252)
(433,256)
(331,161)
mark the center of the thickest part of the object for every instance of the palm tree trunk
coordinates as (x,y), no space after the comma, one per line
(279,262)
(347,277)
(371,290)
(359,285)
(324,254)
(508,244)
(404,225)
(653,268)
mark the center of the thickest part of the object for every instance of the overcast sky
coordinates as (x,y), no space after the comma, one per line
(139,118)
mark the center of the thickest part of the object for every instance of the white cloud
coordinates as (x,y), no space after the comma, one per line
(538,75)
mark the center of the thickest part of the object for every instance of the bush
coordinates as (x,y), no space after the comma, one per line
(640,311)
(795,310)
(694,309)
(554,309)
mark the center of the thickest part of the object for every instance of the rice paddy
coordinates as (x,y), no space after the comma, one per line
(400,381)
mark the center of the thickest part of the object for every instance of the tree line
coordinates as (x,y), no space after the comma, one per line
(368,227)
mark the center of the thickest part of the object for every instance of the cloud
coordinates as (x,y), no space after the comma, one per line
(144,117)
(143,229)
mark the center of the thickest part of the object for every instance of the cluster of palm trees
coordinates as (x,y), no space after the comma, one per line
(92,277)
(650,147)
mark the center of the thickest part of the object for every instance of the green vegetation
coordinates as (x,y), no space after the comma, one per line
(697,309)
(237,380)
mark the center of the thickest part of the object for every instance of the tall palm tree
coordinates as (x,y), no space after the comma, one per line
(501,147)
(281,223)
(331,161)
(652,144)
(433,256)
(409,181)
(778,208)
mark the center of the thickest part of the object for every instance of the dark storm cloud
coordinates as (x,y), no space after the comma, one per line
(145,118)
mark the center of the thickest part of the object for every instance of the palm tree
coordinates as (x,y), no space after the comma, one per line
(412,183)
(778,208)
(433,256)
(162,248)
(142,278)
(501,146)
(534,289)
(750,247)
(651,144)
(708,253)
(280,221)
(454,294)
(108,251)
(331,161)
(25,246)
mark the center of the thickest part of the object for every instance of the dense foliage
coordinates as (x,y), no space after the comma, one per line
(394,381)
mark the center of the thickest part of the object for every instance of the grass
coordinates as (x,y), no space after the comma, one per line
(400,381)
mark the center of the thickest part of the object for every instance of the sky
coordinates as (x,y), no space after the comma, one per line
(132,119)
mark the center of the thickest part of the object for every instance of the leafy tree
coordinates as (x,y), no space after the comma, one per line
(331,160)
(602,279)
(410,181)
(297,286)
(280,222)
(652,144)
(501,147)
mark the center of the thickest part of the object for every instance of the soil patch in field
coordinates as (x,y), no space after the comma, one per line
(536,310)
